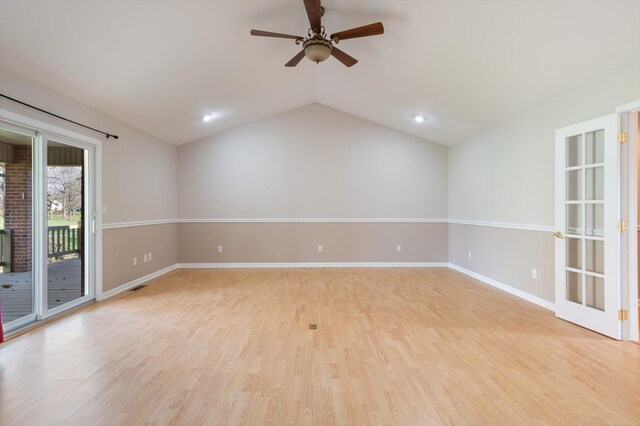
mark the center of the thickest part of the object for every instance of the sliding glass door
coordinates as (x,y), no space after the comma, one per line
(68,241)
(47,225)
(17,289)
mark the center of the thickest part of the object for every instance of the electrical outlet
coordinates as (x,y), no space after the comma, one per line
(135,261)
(534,273)
(320,249)
(398,248)
(469,254)
(150,256)
(145,258)
(219,249)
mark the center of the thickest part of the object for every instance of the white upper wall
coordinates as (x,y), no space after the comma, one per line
(312,162)
(506,173)
(139,171)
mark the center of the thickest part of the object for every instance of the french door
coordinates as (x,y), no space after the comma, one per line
(47,222)
(587,244)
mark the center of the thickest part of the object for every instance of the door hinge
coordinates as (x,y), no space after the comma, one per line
(623,137)
(623,315)
(622,226)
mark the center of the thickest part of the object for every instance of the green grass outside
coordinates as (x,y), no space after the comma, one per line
(57,220)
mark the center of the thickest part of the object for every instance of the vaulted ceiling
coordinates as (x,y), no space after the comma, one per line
(465,65)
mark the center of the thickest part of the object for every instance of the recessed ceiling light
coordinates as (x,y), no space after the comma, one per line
(419,118)
(208,117)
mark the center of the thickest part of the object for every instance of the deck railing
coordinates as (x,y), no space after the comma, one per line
(62,240)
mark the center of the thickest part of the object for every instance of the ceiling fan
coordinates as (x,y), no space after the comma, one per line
(316,46)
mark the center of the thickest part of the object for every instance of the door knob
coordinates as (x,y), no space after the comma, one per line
(558,235)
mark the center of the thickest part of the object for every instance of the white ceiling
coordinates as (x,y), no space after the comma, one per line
(465,64)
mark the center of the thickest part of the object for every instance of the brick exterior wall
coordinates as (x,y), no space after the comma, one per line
(17,207)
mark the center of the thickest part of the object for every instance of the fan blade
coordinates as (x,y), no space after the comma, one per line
(295,60)
(314,13)
(277,35)
(343,57)
(365,31)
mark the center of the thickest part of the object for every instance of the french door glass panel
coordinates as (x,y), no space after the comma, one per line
(587,286)
(17,289)
(585,196)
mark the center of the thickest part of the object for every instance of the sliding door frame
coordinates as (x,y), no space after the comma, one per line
(88,219)
(93,270)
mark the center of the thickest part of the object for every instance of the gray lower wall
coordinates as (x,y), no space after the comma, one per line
(120,245)
(298,242)
(507,256)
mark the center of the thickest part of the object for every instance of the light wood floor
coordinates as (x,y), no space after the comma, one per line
(392,346)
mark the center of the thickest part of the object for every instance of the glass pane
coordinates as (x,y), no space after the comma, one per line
(595,292)
(65,214)
(574,151)
(574,253)
(595,183)
(595,147)
(16,232)
(595,256)
(574,185)
(574,219)
(574,287)
(595,220)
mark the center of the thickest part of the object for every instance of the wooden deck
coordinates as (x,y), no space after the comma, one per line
(64,286)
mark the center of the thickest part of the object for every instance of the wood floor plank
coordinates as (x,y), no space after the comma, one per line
(392,346)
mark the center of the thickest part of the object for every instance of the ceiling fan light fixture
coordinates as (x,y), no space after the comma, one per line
(317,49)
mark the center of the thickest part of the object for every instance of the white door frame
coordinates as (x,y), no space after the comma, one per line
(627,122)
(79,140)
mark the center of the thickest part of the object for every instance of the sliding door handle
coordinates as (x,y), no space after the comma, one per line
(558,235)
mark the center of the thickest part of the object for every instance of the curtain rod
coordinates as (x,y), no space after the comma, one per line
(108,135)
